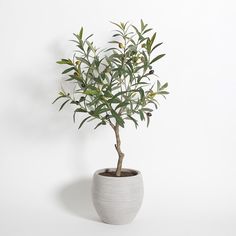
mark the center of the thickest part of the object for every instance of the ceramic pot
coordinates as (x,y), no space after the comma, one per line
(117,200)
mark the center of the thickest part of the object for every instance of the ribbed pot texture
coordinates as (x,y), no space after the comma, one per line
(117,200)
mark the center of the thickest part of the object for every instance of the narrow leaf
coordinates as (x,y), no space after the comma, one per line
(81,33)
(78,110)
(58,98)
(142,117)
(142,25)
(153,38)
(101,123)
(147,30)
(148,120)
(164,86)
(83,121)
(159,44)
(135,121)
(63,104)
(68,70)
(163,92)
(157,58)
(116,25)
(122,104)
(88,37)
(147,109)
(91,92)
(65,61)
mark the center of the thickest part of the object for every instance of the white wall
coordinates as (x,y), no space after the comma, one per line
(187,156)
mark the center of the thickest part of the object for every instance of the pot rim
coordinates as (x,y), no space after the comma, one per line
(97,172)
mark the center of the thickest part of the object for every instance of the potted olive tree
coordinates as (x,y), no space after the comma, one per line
(114,86)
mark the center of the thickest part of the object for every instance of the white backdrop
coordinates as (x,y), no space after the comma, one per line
(187,155)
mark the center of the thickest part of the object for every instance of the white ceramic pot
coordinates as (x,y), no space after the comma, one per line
(117,200)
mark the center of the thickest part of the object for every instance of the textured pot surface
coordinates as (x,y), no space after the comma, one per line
(117,200)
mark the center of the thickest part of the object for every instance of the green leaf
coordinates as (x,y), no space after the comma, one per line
(148,45)
(94,100)
(158,85)
(123,25)
(75,41)
(137,31)
(61,62)
(68,70)
(81,33)
(135,121)
(58,98)
(142,117)
(114,42)
(141,91)
(65,61)
(147,109)
(88,37)
(147,30)
(163,92)
(63,104)
(164,86)
(118,118)
(116,25)
(114,100)
(107,94)
(91,47)
(153,38)
(101,123)
(83,121)
(120,93)
(159,44)
(91,92)
(78,110)
(157,58)
(122,104)
(84,61)
(154,103)
(75,77)
(142,25)
(148,120)
(115,35)
(104,110)
(98,108)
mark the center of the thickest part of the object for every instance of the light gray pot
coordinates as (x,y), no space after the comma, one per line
(117,200)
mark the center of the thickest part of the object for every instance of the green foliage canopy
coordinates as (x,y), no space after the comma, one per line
(115,84)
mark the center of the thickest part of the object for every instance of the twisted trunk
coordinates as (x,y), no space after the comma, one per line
(118,149)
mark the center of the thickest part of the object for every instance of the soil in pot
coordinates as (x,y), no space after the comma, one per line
(123,173)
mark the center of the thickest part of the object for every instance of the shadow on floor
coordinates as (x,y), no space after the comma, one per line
(76,199)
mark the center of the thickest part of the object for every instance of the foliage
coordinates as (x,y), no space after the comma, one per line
(115,84)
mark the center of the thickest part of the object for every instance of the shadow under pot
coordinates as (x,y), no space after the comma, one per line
(117,200)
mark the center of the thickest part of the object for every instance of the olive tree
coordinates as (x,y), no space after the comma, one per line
(116,84)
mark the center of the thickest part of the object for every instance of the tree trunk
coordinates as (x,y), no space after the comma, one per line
(120,153)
